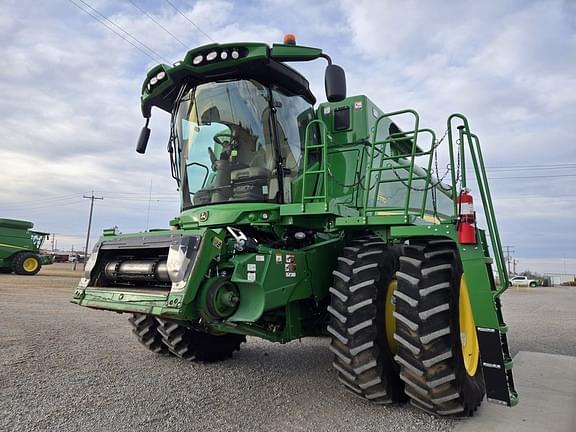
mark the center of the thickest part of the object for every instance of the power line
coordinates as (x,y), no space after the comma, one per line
(529,167)
(158,56)
(189,20)
(533,177)
(44,203)
(31,207)
(551,165)
(126,32)
(36,200)
(158,24)
(519,169)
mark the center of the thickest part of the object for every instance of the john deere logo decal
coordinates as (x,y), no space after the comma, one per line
(204,216)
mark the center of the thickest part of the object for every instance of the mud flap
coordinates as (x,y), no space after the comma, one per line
(497,367)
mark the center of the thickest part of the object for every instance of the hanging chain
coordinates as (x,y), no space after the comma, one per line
(438,178)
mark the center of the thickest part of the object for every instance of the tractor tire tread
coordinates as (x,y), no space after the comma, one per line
(18,264)
(356,342)
(145,328)
(193,345)
(429,352)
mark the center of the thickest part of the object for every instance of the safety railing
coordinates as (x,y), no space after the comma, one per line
(381,161)
(402,165)
(464,134)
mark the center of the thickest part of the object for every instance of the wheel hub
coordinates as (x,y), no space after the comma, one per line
(30,264)
(221,299)
(468,337)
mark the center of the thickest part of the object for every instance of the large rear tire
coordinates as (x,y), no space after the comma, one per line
(361,335)
(190,344)
(26,264)
(145,327)
(433,322)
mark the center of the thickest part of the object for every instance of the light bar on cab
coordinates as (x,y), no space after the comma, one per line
(216,55)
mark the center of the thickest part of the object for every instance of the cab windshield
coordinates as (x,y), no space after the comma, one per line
(238,141)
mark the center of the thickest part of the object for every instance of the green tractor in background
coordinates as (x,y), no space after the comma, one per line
(299,221)
(20,248)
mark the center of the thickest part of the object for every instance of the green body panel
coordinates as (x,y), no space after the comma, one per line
(361,173)
(366,177)
(283,53)
(474,262)
(231,214)
(16,236)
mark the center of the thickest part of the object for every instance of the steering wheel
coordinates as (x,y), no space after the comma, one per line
(218,139)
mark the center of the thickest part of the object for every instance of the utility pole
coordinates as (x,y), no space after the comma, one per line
(509,250)
(53,238)
(514,262)
(91,198)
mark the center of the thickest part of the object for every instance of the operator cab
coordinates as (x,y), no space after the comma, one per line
(239,141)
(239,120)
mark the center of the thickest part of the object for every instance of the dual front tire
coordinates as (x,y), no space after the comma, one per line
(420,331)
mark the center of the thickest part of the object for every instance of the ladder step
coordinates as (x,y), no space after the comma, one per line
(314,172)
(314,146)
(315,197)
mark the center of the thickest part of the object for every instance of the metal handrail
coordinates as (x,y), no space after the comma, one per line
(413,136)
(322,170)
(370,169)
(482,180)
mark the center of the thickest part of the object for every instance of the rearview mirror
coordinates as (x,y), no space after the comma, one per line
(335,83)
(143,139)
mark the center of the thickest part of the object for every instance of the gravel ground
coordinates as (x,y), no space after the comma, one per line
(68,368)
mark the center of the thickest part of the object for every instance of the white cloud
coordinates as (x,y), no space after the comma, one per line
(70,110)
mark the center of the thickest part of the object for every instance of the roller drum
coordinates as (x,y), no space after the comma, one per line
(137,270)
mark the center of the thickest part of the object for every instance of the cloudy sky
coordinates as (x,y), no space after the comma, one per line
(71,72)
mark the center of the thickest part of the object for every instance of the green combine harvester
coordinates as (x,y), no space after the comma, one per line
(20,248)
(299,221)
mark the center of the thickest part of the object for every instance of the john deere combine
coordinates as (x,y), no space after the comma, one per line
(300,221)
(20,248)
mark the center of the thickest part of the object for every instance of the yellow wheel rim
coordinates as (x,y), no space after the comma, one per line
(30,264)
(468,337)
(390,322)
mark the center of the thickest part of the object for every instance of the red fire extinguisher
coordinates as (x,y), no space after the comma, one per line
(466,225)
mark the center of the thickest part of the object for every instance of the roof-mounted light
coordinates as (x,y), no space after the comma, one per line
(215,55)
(289,39)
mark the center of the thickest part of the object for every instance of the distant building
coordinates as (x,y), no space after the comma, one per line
(560,278)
